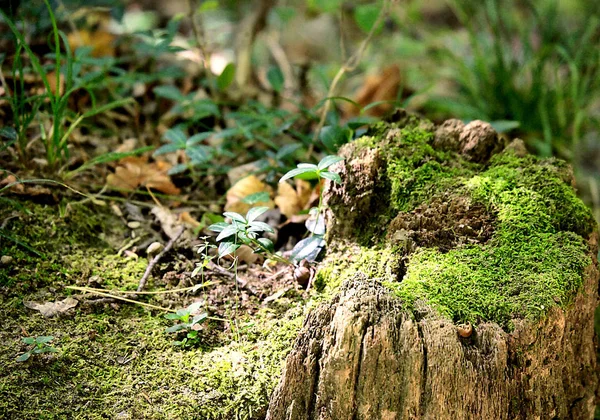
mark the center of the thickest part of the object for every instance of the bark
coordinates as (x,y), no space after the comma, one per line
(364,355)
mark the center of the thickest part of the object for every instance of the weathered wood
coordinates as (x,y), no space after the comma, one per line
(367,355)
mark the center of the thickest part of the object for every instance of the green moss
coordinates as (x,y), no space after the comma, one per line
(342,264)
(121,363)
(497,281)
(534,261)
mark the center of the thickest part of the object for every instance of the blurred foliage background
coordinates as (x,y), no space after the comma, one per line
(232,83)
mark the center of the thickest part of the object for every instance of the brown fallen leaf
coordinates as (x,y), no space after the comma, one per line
(170,222)
(135,171)
(50,309)
(101,41)
(380,87)
(292,200)
(243,188)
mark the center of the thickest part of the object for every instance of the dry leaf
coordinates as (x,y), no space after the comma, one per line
(243,188)
(101,41)
(380,87)
(50,309)
(134,172)
(187,218)
(291,201)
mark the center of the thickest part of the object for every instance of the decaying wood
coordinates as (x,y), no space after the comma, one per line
(364,356)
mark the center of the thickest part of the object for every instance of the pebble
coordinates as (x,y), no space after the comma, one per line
(6,260)
(134,225)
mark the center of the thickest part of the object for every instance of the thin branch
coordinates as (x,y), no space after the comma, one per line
(157,258)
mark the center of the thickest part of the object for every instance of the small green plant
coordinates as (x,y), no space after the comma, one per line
(26,108)
(188,323)
(38,345)
(309,248)
(245,231)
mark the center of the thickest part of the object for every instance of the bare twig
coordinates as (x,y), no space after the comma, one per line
(349,65)
(157,258)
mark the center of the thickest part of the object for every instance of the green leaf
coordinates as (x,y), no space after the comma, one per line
(24,357)
(47,349)
(307,165)
(8,132)
(503,126)
(267,243)
(334,136)
(332,176)
(316,225)
(199,318)
(276,79)
(29,340)
(44,339)
(176,327)
(208,5)
(197,138)
(254,212)
(366,15)
(227,232)
(168,148)
(357,122)
(177,136)
(226,248)
(226,77)
(259,197)
(327,161)
(169,92)
(172,316)
(295,172)
(308,249)
(260,227)
(194,307)
(218,227)
(235,216)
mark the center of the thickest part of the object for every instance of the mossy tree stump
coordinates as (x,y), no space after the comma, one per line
(464,283)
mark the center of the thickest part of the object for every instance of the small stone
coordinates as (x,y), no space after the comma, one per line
(133,225)
(447,135)
(154,248)
(6,260)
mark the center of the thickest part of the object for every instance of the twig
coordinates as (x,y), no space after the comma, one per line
(157,258)
(349,65)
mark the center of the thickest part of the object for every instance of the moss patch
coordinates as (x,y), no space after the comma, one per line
(119,362)
(531,259)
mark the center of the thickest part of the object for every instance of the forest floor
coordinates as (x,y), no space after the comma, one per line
(114,359)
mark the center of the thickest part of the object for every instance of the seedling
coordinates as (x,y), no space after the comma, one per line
(309,248)
(245,231)
(186,324)
(38,345)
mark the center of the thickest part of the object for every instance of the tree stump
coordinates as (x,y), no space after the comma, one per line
(463,282)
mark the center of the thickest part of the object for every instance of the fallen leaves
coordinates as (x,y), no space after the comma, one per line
(244,188)
(135,171)
(50,309)
(292,200)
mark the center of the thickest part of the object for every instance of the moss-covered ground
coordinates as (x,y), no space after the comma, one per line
(116,361)
(534,260)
